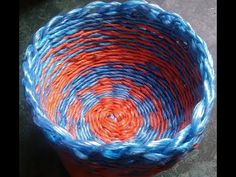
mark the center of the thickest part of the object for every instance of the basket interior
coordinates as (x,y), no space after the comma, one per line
(118,79)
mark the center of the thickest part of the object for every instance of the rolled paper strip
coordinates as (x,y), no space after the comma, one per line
(125,89)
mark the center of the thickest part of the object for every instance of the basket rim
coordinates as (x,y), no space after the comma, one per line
(82,149)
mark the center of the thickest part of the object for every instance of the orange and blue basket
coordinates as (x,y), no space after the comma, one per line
(121,89)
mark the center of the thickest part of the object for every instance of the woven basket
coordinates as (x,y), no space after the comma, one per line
(121,89)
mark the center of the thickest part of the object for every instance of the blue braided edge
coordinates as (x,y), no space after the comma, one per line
(156,152)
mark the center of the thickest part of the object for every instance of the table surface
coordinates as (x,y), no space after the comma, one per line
(38,159)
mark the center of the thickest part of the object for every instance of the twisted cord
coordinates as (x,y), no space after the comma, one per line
(128,82)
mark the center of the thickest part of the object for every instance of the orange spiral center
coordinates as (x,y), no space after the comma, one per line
(114,119)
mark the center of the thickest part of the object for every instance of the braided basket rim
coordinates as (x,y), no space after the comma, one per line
(179,144)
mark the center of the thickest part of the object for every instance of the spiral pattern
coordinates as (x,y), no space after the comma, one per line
(122,80)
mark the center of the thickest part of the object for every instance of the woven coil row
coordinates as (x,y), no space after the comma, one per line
(120,84)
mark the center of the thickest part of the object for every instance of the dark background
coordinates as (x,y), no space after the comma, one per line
(38,159)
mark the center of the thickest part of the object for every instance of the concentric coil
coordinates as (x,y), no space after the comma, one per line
(120,84)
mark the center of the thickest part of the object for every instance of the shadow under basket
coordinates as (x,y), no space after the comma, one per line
(120,89)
